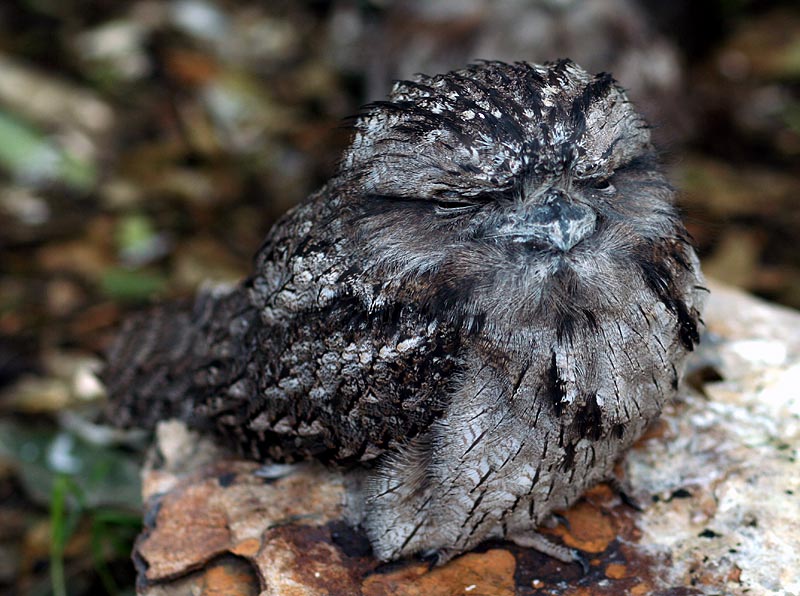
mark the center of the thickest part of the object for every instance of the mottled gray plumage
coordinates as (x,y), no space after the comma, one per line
(478,314)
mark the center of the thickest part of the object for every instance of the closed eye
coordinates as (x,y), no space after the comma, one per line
(453,206)
(601,185)
(456,204)
(604,186)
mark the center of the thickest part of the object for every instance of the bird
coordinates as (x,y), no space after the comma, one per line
(474,318)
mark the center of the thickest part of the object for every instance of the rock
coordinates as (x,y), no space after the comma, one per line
(723,471)
(719,473)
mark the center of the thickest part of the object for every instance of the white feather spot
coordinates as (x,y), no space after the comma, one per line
(408,344)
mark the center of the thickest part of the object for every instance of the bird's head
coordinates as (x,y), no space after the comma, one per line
(512,192)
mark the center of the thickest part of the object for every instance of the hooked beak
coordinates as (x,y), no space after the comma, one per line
(559,223)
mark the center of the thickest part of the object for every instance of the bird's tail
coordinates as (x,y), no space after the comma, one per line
(177,355)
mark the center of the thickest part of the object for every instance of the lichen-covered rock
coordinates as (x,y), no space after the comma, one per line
(723,471)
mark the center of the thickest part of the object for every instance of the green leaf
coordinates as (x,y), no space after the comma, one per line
(59,534)
(131,285)
(101,475)
(34,158)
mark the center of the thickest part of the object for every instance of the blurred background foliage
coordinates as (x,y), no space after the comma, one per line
(146,146)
